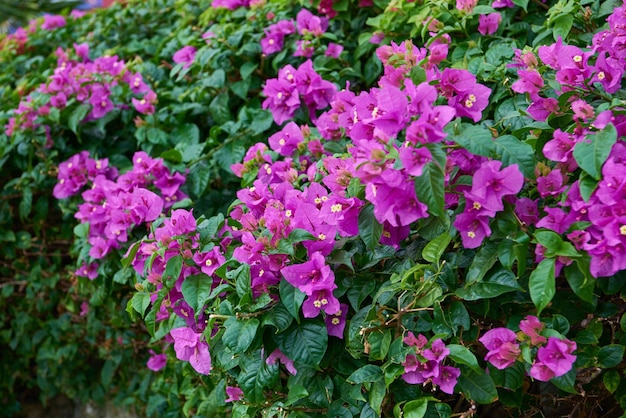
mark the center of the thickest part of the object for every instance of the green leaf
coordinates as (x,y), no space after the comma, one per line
(172,271)
(299,235)
(610,355)
(296,392)
(541,284)
(370,230)
(429,188)
(26,204)
(291,298)
(140,302)
(304,343)
(77,116)
(587,186)
(462,355)
(562,26)
(521,3)
(247,69)
(239,334)
(511,378)
(591,153)
(580,280)
(477,386)
(256,375)
(418,75)
(566,382)
(482,262)
(157,136)
(554,244)
(367,373)
(511,150)
(416,408)
(499,281)
(278,317)
(435,248)
(474,138)
(198,178)
(196,290)
(611,380)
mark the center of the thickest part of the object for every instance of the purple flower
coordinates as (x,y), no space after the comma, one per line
(156,362)
(530,82)
(473,228)
(437,351)
(488,24)
(53,21)
(531,326)
(336,323)
(278,355)
(333,50)
(557,355)
(282,95)
(88,270)
(307,22)
(234,394)
(310,276)
(185,56)
(502,346)
(416,372)
(447,379)
(491,184)
(99,99)
(286,140)
(321,300)
(189,347)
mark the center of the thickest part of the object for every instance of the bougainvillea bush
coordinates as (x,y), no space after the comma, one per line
(428,219)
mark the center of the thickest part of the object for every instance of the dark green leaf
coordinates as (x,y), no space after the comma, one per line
(416,408)
(239,334)
(172,270)
(591,153)
(511,150)
(496,283)
(541,284)
(367,373)
(477,386)
(304,343)
(291,297)
(429,188)
(482,262)
(370,230)
(435,248)
(462,355)
(77,116)
(610,355)
(611,380)
(196,290)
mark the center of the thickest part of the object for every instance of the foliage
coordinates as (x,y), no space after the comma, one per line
(428,219)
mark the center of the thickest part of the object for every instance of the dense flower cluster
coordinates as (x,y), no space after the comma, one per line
(554,356)
(426,365)
(309,27)
(582,74)
(80,80)
(115,204)
(295,87)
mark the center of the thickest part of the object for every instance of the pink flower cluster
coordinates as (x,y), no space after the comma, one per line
(590,72)
(554,356)
(310,28)
(86,82)
(115,204)
(294,87)
(426,365)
